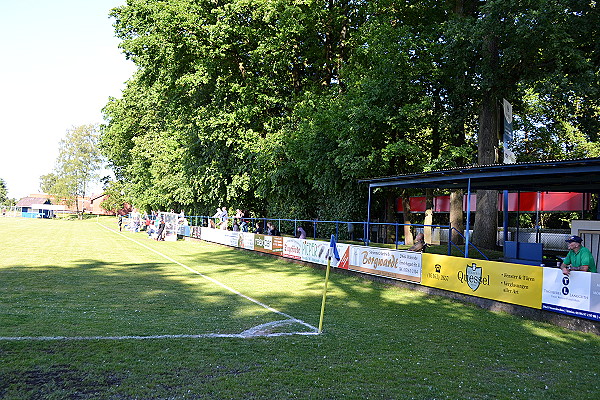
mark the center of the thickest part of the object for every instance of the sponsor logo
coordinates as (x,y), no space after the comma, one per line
(437,275)
(473,277)
(565,282)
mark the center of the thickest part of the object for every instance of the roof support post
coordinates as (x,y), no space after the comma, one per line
(505,219)
(468,236)
(368,230)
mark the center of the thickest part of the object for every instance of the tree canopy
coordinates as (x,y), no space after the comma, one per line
(280,106)
(76,166)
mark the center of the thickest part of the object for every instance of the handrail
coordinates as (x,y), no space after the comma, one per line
(203,219)
(458,248)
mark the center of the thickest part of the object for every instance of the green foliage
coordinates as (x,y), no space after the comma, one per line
(3,192)
(76,278)
(76,165)
(281,107)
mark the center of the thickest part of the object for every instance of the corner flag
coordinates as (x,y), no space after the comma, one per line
(333,251)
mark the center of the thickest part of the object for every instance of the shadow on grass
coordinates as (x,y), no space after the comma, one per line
(378,342)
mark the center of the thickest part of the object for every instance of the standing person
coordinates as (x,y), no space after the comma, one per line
(213,223)
(579,258)
(244,224)
(120,222)
(240,216)
(160,235)
(224,218)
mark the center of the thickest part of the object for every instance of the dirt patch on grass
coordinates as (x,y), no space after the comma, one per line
(58,381)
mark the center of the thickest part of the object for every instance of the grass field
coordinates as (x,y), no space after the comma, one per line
(90,313)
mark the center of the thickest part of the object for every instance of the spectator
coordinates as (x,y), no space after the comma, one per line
(241,216)
(419,244)
(160,235)
(271,230)
(579,258)
(151,228)
(258,229)
(224,218)
(301,233)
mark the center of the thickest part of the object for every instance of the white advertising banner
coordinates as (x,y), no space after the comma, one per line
(292,248)
(221,236)
(397,264)
(314,251)
(246,240)
(577,294)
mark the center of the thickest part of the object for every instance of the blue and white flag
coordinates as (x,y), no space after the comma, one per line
(333,251)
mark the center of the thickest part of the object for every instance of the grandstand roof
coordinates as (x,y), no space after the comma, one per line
(580,175)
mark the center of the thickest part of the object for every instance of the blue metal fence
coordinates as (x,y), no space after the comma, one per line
(350,231)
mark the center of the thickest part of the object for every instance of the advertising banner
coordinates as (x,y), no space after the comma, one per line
(314,251)
(221,236)
(269,244)
(396,264)
(246,240)
(577,294)
(292,248)
(196,232)
(509,283)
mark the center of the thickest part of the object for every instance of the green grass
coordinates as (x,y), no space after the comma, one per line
(76,278)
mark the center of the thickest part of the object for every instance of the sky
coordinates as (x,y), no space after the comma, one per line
(60,63)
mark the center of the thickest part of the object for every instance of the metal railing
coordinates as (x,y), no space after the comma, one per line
(350,231)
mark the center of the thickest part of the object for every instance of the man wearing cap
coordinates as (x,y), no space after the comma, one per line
(579,257)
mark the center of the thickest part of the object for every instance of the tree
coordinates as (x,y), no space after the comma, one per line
(280,107)
(115,196)
(76,165)
(508,49)
(3,192)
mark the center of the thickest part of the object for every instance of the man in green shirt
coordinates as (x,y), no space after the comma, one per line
(579,257)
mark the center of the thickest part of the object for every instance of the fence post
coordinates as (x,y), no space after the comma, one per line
(450,240)
(397,236)
(314,229)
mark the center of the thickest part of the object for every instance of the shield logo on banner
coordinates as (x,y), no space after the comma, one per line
(473,276)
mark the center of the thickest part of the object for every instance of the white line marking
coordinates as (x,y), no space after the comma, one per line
(242,335)
(216,282)
(257,331)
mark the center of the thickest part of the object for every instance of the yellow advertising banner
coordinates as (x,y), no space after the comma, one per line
(509,283)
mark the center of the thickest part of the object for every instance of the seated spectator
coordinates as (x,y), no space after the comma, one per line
(419,244)
(258,229)
(271,230)
(579,258)
(301,233)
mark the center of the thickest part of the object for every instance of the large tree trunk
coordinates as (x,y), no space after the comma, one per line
(428,215)
(456,216)
(390,216)
(486,217)
(408,236)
